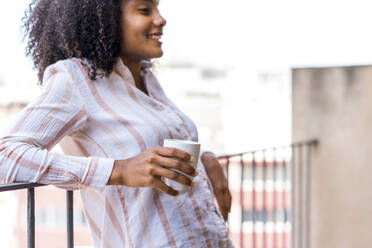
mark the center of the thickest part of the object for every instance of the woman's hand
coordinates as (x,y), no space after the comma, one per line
(146,169)
(219,182)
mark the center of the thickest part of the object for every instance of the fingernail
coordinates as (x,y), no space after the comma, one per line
(196,173)
(191,159)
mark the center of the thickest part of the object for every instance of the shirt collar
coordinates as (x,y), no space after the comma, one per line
(124,72)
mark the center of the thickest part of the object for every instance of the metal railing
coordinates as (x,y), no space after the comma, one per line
(31,211)
(266,196)
(272,189)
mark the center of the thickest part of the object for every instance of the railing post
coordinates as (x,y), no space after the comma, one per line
(308,197)
(285,200)
(264,199)
(70,218)
(275,200)
(31,218)
(293,195)
(300,185)
(242,218)
(254,213)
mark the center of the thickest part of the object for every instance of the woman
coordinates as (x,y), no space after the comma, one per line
(105,108)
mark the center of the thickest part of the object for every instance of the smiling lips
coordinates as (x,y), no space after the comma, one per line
(156,37)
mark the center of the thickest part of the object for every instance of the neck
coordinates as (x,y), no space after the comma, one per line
(135,69)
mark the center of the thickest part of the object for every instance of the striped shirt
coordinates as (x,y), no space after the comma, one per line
(96,123)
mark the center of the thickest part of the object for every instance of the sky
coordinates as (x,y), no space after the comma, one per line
(270,32)
(15,68)
(233,33)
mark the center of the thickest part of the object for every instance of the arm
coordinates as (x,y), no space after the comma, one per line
(219,182)
(25,147)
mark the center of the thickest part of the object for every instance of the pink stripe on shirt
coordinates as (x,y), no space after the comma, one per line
(91,171)
(164,220)
(133,96)
(140,114)
(101,102)
(186,223)
(114,219)
(49,117)
(92,141)
(200,220)
(21,161)
(68,125)
(96,230)
(125,212)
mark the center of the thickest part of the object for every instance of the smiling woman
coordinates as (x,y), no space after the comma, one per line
(109,114)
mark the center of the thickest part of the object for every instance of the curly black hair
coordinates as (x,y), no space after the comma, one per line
(61,29)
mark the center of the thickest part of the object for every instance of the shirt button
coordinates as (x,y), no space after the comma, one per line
(159,107)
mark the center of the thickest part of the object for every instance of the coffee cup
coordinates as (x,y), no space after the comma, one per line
(190,147)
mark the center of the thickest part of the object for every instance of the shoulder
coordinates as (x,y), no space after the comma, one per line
(71,66)
(68,69)
(67,74)
(62,80)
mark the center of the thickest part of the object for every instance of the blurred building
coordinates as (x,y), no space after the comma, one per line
(235,109)
(196,91)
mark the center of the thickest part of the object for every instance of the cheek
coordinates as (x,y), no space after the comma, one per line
(134,32)
(129,38)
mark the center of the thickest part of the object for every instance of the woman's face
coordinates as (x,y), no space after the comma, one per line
(142,27)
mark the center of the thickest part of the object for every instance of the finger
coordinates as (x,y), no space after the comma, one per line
(223,212)
(223,201)
(227,200)
(225,215)
(173,176)
(220,201)
(175,164)
(174,152)
(159,185)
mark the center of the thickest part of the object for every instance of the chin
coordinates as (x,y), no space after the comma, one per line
(158,55)
(153,55)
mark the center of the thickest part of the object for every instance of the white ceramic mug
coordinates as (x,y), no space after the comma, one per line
(190,147)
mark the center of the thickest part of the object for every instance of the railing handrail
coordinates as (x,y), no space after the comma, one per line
(18,186)
(298,143)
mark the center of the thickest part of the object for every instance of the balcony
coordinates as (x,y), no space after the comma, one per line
(271,198)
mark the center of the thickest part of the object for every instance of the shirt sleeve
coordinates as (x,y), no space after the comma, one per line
(25,154)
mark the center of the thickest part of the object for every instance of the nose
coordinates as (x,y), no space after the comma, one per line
(159,20)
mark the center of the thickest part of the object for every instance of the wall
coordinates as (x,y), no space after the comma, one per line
(334,104)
